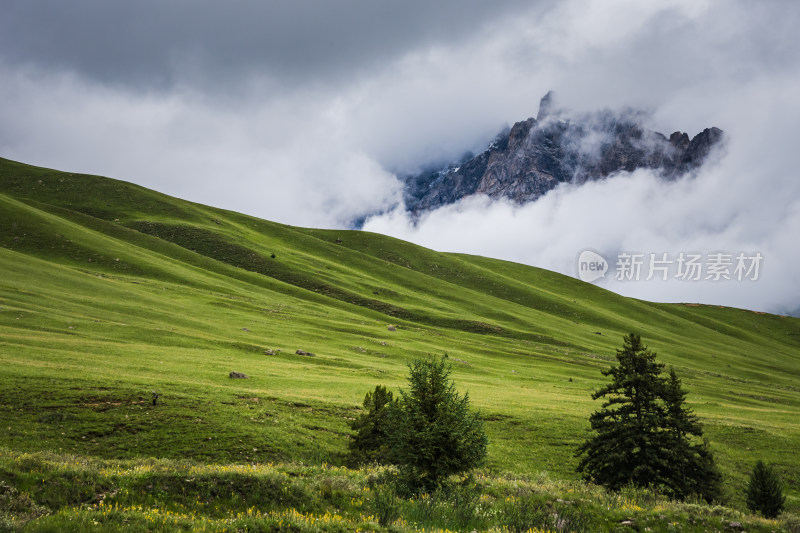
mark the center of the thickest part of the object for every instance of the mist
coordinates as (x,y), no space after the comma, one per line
(744,199)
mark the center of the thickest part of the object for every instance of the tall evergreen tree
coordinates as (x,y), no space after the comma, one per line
(643,433)
(434,433)
(627,446)
(765,491)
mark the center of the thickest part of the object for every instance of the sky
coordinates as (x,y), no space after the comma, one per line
(306,112)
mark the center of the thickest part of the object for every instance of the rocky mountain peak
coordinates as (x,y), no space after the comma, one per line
(537,154)
(519,133)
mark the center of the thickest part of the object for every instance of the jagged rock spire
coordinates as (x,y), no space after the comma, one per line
(545,106)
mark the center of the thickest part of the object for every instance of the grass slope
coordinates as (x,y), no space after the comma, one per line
(110,290)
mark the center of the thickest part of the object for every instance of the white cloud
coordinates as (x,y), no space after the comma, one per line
(746,199)
(283,159)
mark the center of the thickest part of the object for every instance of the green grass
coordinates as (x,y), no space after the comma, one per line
(56,492)
(110,291)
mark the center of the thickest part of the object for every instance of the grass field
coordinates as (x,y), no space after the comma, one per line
(110,291)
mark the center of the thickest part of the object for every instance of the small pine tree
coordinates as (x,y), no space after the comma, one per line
(692,466)
(370,442)
(765,491)
(434,433)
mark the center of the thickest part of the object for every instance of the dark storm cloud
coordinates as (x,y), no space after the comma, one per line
(301,112)
(156,43)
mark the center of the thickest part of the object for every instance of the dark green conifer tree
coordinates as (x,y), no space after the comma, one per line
(765,491)
(370,444)
(434,434)
(692,469)
(626,448)
(644,435)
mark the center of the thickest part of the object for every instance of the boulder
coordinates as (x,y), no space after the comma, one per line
(238,375)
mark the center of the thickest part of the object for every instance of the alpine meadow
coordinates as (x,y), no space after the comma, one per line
(172,366)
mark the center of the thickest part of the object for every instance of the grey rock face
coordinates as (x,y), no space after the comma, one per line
(535,155)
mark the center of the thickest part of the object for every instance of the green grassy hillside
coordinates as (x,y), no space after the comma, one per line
(110,291)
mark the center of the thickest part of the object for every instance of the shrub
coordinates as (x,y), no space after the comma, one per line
(370,442)
(464,504)
(524,511)
(434,433)
(765,491)
(385,505)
